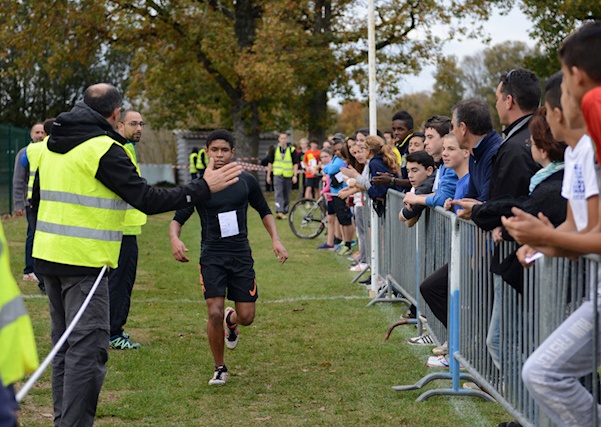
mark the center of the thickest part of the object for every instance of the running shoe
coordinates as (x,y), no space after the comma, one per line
(122,342)
(344,250)
(359,267)
(437,362)
(219,376)
(325,246)
(231,332)
(424,339)
(354,257)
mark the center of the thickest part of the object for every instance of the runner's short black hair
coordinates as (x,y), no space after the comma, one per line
(221,134)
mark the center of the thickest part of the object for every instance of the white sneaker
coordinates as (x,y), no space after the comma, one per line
(437,362)
(359,267)
(219,376)
(231,334)
(31,277)
(424,339)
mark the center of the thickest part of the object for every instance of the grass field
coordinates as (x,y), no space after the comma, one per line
(315,355)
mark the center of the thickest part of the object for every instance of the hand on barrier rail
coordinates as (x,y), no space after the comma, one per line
(497,234)
(525,254)
(218,179)
(466,206)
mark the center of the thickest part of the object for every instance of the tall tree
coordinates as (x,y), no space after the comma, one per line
(248,64)
(483,70)
(553,20)
(51,52)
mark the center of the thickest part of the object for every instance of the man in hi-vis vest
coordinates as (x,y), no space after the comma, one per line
(122,278)
(85,180)
(284,165)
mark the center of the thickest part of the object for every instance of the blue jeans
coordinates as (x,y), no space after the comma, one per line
(493,339)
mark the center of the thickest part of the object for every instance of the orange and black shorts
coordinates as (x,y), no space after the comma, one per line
(230,276)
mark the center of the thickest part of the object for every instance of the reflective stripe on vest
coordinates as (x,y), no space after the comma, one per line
(11,311)
(80,221)
(82,232)
(283,166)
(18,355)
(34,151)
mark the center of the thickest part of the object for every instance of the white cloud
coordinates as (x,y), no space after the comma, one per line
(513,26)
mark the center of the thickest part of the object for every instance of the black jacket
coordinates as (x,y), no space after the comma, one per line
(513,165)
(545,198)
(116,171)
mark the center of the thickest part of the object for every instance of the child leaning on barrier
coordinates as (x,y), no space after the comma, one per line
(551,373)
(420,167)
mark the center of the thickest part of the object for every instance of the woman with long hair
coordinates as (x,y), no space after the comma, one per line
(383,161)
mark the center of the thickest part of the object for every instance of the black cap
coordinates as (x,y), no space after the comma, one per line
(339,137)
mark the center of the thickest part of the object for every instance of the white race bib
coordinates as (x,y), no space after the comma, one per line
(228,223)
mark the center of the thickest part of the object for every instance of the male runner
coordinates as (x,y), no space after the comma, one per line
(226,263)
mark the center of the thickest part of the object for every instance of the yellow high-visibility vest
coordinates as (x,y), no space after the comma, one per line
(134,219)
(283,166)
(34,150)
(201,159)
(18,355)
(193,158)
(80,221)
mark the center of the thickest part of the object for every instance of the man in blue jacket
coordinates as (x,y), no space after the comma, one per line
(472,126)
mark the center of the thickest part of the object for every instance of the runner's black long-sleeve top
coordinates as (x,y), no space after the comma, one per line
(235,198)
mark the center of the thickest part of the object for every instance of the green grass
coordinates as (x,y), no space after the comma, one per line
(315,355)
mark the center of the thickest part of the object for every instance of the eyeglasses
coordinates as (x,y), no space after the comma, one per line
(507,82)
(135,124)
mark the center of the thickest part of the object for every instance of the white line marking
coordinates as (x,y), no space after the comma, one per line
(194,301)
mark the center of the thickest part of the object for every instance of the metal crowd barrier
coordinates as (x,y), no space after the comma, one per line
(552,289)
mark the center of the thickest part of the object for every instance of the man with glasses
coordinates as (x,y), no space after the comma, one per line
(122,278)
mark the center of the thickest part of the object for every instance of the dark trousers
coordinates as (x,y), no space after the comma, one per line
(8,406)
(31,220)
(121,284)
(79,368)
(282,187)
(435,290)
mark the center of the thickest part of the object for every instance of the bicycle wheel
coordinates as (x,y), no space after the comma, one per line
(306,218)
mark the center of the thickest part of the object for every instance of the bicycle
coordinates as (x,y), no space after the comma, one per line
(308,217)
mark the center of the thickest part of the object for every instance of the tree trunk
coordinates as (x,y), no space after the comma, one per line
(318,114)
(246,125)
